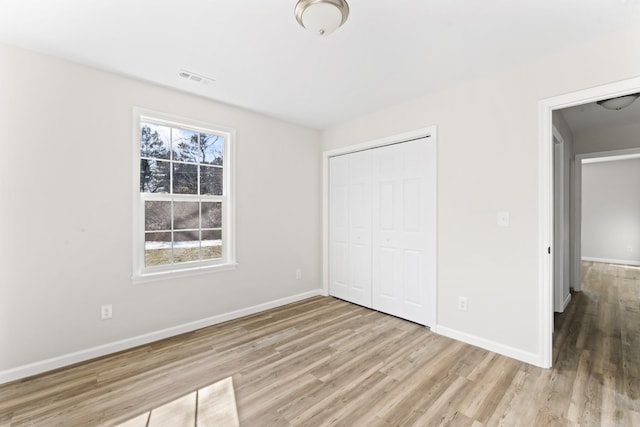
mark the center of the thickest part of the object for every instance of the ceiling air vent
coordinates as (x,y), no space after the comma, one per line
(188,75)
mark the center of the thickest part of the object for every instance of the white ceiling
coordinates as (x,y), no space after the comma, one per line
(387,52)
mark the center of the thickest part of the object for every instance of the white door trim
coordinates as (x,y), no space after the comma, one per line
(430,131)
(545,197)
(558,238)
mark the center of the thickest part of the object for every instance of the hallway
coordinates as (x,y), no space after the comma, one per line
(597,347)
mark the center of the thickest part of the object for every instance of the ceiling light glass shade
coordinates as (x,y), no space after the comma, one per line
(322,16)
(618,103)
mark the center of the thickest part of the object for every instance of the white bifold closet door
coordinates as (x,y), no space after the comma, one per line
(383,229)
(350,229)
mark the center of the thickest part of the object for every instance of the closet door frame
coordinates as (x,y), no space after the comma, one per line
(426,132)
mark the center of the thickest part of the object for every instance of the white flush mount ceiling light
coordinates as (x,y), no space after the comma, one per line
(619,102)
(322,16)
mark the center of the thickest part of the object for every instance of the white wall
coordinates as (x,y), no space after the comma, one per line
(66,190)
(488,162)
(611,211)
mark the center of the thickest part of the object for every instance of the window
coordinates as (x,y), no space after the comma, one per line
(184,215)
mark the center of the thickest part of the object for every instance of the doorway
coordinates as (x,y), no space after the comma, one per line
(546,200)
(606,188)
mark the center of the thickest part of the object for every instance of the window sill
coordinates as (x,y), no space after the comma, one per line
(177,274)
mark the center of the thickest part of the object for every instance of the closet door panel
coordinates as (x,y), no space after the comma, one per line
(411,274)
(400,223)
(386,205)
(350,227)
(339,270)
(360,227)
(412,198)
(385,277)
(387,245)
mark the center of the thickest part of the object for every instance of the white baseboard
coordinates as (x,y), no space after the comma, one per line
(105,349)
(566,302)
(505,350)
(612,261)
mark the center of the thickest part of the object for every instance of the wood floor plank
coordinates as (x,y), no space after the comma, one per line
(141,420)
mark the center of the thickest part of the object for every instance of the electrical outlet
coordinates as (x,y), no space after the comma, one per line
(462,303)
(298,274)
(106,311)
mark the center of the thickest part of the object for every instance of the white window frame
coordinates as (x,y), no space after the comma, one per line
(141,273)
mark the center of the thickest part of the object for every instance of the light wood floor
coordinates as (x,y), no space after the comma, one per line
(327,362)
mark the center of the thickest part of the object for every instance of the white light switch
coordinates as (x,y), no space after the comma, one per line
(503,219)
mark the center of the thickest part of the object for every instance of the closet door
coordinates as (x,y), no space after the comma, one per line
(350,227)
(404,245)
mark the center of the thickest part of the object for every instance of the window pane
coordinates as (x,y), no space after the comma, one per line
(211,149)
(185,215)
(211,214)
(211,244)
(157,249)
(186,238)
(210,235)
(186,246)
(211,180)
(212,252)
(154,141)
(185,179)
(154,176)
(157,215)
(185,145)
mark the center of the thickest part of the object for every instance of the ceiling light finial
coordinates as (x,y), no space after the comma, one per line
(321,16)
(618,103)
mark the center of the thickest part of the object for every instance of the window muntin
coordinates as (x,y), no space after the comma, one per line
(183,192)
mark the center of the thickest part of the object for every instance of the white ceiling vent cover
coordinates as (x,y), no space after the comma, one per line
(188,75)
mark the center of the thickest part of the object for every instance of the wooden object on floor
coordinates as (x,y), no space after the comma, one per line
(323,361)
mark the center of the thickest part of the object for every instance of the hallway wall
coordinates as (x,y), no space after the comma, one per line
(611,211)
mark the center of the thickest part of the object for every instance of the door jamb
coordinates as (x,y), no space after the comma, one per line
(559,244)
